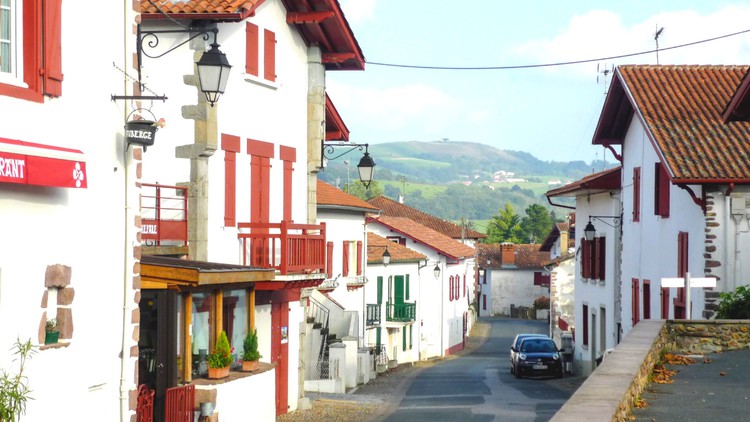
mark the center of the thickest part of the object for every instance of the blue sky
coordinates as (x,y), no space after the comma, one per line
(549,112)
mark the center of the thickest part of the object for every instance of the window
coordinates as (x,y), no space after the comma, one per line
(635,301)
(593,258)
(261,154)
(585,326)
(541,279)
(253,55)
(351,263)
(30,49)
(636,194)
(682,268)
(234,314)
(661,190)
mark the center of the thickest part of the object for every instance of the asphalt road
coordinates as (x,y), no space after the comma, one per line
(479,386)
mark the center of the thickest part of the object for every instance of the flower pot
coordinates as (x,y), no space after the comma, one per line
(249,365)
(51,338)
(218,373)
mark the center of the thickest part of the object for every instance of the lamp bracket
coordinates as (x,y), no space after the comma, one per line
(616,219)
(328,149)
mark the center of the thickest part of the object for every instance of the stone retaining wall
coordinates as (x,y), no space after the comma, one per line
(698,337)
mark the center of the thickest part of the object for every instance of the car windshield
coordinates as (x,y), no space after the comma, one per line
(538,346)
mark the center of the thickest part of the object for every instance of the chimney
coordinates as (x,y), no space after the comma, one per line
(563,242)
(401,199)
(508,254)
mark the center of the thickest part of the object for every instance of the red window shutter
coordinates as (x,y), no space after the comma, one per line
(585,259)
(635,301)
(646,299)
(52,70)
(664,192)
(585,327)
(359,257)
(269,55)
(602,256)
(345,263)
(457,287)
(251,49)
(594,261)
(289,156)
(329,259)
(464,285)
(637,194)
(231,146)
(450,289)
(665,303)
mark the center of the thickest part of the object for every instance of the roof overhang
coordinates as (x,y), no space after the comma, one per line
(29,163)
(739,106)
(246,9)
(322,22)
(616,115)
(433,247)
(158,272)
(603,181)
(336,129)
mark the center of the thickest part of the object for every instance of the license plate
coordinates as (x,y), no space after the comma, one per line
(540,366)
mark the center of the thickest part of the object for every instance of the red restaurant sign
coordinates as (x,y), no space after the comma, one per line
(42,165)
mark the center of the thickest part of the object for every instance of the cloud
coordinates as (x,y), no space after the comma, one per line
(358,10)
(602,33)
(418,107)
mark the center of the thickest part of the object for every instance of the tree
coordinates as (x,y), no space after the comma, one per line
(358,189)
(537,223)
(505,226)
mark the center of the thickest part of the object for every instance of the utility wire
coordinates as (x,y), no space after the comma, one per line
(529,66)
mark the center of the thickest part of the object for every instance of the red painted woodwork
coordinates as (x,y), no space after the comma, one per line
(52,70)
(231,146)
(635,301)
(585,258)
(636,194)
(164,213)
(682,269)
(359,257)
(251,49)
(289,156)
(280,354)
(180,404)
(32,55)
(345,259)
(585,327)
(308,17)
(646,299)
(329,260)
(661,191)
(269,55)
(286,247)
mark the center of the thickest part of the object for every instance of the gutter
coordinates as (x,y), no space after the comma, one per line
(559,205)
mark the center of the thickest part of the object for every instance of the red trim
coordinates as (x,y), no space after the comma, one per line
(251,49)
(359,257)
(41,165)
(269,55)
(260,148)
(329,259)
(231,146)
(454,349)
(52,70)
(345,259)
(336,129)
(288,156)
(635,301)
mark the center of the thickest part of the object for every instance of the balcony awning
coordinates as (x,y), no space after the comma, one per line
(28,163)
(159,272)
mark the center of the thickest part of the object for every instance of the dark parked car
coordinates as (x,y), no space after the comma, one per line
(516,344)
(538,356)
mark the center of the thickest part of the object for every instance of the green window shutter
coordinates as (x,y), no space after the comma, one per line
(406,289)
(411,332)
(380,295)
(403,338)
(377,337)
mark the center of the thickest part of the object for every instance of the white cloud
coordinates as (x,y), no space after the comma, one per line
(358,10)
(601,33)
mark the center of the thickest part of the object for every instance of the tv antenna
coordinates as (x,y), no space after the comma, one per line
(605,71)
(656,39)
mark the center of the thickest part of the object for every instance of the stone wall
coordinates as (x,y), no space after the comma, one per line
(698,337)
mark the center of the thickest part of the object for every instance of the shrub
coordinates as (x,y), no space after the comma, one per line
(221,357)
(735,305)
(14,388)
(542,302)
(250,347)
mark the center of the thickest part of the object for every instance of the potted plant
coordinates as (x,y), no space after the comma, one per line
(51,332)
(250,354)
(220,359)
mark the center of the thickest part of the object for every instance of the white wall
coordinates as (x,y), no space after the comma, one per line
(512,287)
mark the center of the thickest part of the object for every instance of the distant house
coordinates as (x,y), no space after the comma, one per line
(514,276)
(560,243)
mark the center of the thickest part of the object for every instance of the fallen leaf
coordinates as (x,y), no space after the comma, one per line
(706,360)
(722,374)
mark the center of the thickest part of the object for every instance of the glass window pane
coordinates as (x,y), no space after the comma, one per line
(201,332)
(235,321)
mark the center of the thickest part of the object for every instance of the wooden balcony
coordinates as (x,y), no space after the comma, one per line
(400,312)
(286,247)
(164,219)
(373,314)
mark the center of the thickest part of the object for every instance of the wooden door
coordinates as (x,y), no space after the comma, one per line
(280,353)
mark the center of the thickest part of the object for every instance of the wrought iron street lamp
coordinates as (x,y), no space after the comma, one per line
(366,166)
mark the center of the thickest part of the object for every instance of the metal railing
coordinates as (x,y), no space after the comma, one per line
(400,312)
(373,314)
(285,247)
(323,369)
(164,214)
(180,404)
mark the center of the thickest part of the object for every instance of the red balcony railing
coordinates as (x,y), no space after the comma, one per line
(286,247)
(164,214)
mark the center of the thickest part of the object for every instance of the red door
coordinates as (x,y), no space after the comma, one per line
(280,353)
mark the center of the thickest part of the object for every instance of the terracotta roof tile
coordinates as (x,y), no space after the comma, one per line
(529,256)
(526,256)
(394,209)
(425,235)
(376,246)
(682,108)
(331,197)
(202,6)
(601,181)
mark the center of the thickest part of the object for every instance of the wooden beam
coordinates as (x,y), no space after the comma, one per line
(307,17)
(337,57)
(333,135)
(219,313)
(251,310)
